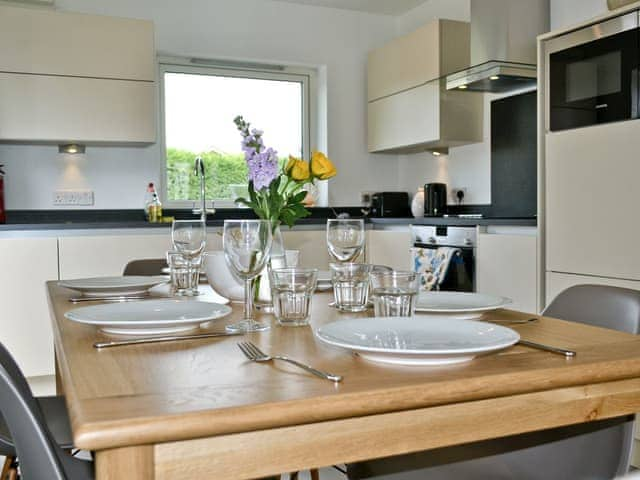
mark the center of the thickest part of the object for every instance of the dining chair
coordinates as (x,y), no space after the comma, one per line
(40,456)
(600,449)
(145,267)
(56,417)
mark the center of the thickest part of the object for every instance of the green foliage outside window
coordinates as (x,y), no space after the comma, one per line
(221,170)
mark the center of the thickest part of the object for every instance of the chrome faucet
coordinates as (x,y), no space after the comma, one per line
(199,172)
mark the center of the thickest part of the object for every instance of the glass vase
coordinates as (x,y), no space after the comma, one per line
(276,260)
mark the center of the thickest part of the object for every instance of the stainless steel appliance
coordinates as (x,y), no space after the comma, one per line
(592,74)
(461,276)
(503,46)
(435,199)
(390,204)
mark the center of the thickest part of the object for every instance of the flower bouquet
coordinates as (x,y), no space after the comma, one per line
(278,194)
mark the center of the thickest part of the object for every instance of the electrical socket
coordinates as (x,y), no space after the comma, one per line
(73,197)
(454,194)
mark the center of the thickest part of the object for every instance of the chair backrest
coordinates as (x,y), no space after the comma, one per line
(146,267)
(599,305)
(607,307)
(39,455)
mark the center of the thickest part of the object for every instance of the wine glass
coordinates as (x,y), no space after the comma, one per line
(247,244)
(189,237)
(345,238)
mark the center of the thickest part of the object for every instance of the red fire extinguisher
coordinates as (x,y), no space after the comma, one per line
(3,216)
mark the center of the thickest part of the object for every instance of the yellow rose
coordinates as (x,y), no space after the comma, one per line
(321,166)
(300,171)
(297,169)
(290,163)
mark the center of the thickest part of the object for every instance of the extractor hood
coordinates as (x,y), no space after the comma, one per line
(503,45)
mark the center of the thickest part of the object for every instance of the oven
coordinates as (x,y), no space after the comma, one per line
(592,75)
(461,274)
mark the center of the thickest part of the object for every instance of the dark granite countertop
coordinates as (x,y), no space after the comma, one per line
(34,220)
(457,222)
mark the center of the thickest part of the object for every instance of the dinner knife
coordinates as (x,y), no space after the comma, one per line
(548,348)
(117,298)
(168,338)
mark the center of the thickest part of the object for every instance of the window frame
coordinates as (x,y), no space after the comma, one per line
(237,69)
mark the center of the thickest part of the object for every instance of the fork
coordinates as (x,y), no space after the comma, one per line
(254,354)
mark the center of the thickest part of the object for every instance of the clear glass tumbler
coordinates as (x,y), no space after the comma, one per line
(350,286)
(291,292)
(394,293)
(185,274)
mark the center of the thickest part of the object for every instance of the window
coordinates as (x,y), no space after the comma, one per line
(199,105)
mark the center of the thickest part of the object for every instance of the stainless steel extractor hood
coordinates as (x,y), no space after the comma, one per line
(503,45)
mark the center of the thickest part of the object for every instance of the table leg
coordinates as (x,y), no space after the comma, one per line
(132,463)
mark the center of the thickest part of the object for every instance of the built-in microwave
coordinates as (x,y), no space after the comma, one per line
(592,74)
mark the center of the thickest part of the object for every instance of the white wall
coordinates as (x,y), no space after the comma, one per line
(335,40)
(565,13)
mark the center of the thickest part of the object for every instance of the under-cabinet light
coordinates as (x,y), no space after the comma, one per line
(71,148)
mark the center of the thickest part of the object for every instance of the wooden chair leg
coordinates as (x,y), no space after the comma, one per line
(315,474)
(293,476)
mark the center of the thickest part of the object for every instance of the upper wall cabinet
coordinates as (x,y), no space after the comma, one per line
(409,108)
(435,49)
(75,77)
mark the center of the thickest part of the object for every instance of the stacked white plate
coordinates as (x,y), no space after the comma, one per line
(149,317)
(324,281)
(113,286)
(461,305)
(417,340)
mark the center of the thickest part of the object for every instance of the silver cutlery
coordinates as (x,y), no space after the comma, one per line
(168,338)
(547,348)
(254,354)
(509,321)
(115,298)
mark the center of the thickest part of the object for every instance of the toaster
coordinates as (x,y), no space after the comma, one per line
(390,204)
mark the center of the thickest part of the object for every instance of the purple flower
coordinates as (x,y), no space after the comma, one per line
(262,164)
(263,168)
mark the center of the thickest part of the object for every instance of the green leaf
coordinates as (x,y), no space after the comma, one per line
(299,197)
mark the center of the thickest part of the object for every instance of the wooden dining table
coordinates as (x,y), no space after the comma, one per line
(200,409)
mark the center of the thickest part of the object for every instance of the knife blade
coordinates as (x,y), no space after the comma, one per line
(166,338)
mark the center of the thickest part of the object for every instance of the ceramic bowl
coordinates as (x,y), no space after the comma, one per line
(220,277)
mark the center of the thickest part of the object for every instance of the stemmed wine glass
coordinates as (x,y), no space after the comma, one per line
(247,245)
(189,237)
(345,238)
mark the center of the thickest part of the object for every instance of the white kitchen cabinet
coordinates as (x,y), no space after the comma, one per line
(591,177)
(49,42)
(107,255)
(70,77)
(506,265)
(409,108)
(74,109)
(312,245)
(27,263)
(390,248)
(436,49)
(427,116)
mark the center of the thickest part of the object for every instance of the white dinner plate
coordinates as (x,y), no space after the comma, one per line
(148,317)
(108,286)
(462,305)
(417,340)
(324,281)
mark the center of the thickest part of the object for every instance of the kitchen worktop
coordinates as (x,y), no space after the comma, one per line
(38,220)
